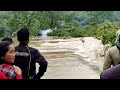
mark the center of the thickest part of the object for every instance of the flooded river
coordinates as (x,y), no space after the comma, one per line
(63,63)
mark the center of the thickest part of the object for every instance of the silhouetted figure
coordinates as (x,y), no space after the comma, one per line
(112,56)
(83,41)
(26,57)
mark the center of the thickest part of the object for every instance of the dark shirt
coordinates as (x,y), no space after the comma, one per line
(22,60)
(111,73)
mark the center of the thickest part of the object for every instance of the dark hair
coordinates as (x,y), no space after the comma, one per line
(7,39)
(23,34)
(3,49)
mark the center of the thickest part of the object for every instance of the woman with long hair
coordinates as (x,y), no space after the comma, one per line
(7,57)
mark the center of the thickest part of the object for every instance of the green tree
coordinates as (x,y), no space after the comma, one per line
(99,16)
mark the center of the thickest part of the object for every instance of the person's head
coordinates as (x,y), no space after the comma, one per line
(23,35)
(7,52)
(7,39)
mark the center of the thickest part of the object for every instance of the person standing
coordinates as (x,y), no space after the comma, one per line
(26,57)
(112,56)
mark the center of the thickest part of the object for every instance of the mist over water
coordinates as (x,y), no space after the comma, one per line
(44,33)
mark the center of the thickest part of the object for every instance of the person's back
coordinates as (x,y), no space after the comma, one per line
(112,56)
(26,57)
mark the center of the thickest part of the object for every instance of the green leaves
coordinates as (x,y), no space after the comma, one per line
(100,16)
(105,31)
(100,24)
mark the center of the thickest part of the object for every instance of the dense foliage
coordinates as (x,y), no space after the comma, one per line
(100,24)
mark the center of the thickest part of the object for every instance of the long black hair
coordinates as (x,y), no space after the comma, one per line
(3,49)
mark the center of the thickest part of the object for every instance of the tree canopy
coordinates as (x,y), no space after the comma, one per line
(100,24)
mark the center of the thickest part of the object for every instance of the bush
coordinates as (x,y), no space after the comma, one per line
(105,31)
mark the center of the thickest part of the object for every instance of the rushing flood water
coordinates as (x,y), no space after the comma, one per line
(63,63)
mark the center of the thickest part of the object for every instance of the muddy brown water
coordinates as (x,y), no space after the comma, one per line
(63,63)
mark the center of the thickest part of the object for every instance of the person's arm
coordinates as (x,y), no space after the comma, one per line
(108,61)
(43,64)
(18,76)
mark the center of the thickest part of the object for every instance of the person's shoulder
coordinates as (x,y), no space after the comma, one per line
(7,66)
(113,49)
(33,49)
(111,73)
